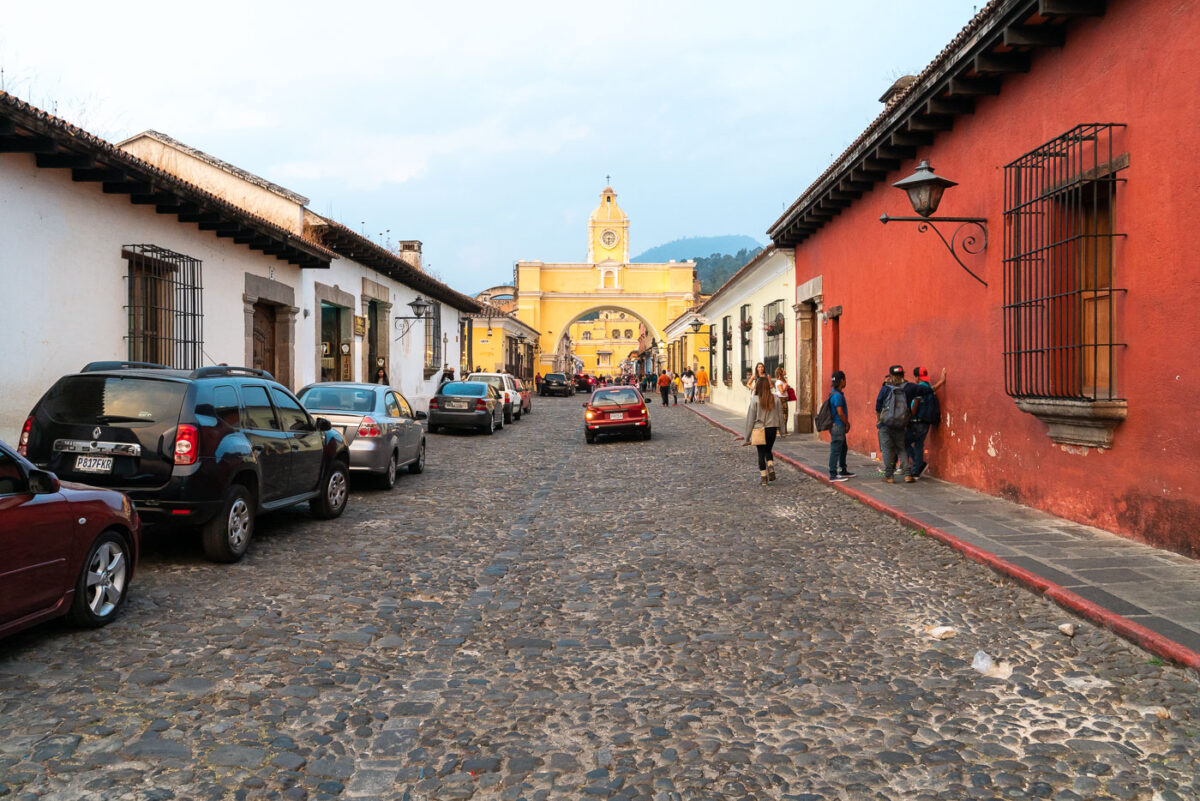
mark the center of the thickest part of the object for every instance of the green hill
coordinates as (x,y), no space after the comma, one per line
(691,247)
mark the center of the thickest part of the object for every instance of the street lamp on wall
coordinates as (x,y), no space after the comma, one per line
(924,189)
(420,307)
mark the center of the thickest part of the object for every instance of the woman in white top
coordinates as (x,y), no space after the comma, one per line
(763,413)
(781,394)
(689,386)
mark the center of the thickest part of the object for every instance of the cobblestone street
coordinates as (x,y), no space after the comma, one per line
(533,617)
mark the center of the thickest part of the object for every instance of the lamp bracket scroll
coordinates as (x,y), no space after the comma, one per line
(970,235)
(404,323)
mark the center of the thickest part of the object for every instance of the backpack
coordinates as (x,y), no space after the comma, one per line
(894,411)
(824,418)
(928,408)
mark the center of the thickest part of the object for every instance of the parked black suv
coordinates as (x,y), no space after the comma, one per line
(557,384)
(207,448)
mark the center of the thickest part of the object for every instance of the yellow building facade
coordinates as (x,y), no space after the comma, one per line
(553,298)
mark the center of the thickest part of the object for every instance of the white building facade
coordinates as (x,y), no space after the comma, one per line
(106,256)
(752,321)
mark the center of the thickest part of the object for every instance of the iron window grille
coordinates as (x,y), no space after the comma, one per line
(726,351)
(746,322)
(164,291)
(1059,279)
(433,337)
(774,326)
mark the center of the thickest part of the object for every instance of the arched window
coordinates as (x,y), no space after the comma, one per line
(616,334)
(628,333)
(587,334)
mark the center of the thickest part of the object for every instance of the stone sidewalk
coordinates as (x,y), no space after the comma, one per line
(1147,595)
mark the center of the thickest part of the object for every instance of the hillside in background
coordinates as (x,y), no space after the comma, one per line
(692,246)
(716,269)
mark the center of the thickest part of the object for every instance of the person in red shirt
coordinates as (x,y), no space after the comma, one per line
(664,386)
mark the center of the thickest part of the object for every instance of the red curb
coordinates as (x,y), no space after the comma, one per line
(1136,633)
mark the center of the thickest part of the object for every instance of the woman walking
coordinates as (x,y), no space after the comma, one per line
(781,394)
(762,424)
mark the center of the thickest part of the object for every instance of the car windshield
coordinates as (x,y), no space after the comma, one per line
(495,380)
(555,377)
(349,399)
(464,388)
(615,397)
(88,400)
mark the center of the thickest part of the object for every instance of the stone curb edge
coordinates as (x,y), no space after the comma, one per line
(1136,633)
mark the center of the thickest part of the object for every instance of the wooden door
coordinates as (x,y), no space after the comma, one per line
(264,338)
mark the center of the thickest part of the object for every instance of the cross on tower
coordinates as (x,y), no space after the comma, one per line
(608,180)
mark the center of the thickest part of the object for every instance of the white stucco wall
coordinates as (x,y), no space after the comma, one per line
(406,355)
(774,279)
(283,211)
(64,279)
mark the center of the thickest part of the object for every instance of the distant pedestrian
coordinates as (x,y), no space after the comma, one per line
(689,386)
(675,389)
(701,385)
(760,371)
(925,412)
(841,427)
(537,382)
(664,387)
(781,392)
(892,413)
(762,425)
(381,377)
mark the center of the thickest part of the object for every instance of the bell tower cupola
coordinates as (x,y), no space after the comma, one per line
(608,231)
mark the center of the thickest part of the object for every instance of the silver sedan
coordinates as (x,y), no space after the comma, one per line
(378,423)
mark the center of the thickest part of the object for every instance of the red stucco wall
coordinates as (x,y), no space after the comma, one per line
(905,300)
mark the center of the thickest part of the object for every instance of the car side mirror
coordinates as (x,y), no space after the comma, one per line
(420,416)
(43,482)
(323,424)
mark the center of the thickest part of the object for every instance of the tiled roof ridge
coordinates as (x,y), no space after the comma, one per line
(221,164)
(461,301)
(130,160)
(890,110)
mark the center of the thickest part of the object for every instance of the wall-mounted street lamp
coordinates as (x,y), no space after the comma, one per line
(924,189)
(696,325)
(420,307)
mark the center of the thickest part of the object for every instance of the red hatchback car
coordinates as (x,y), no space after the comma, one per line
(65,549)
(616,410)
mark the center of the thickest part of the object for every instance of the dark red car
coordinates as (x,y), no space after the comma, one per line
(65,549)
(616,410)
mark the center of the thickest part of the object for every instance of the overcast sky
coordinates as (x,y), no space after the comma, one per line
(486,129)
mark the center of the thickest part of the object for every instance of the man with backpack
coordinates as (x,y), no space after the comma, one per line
(926,411)
(893,412)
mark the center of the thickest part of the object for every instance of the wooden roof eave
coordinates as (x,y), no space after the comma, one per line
(57,145)
(981,59)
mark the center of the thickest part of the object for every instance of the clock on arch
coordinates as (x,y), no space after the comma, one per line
(609,238)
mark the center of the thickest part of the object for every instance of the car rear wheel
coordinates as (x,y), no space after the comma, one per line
(646,433)
(335,491)
(434,429)
(419,465)
(589,437)
(490,428)
(103,582)
(508,414)
(387,479)
(227,536)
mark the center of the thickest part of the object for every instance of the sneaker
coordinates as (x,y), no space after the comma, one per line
(844,474)
(889,480)
(839,478)
(909,480)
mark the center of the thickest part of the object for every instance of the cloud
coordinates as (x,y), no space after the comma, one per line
(367,161)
